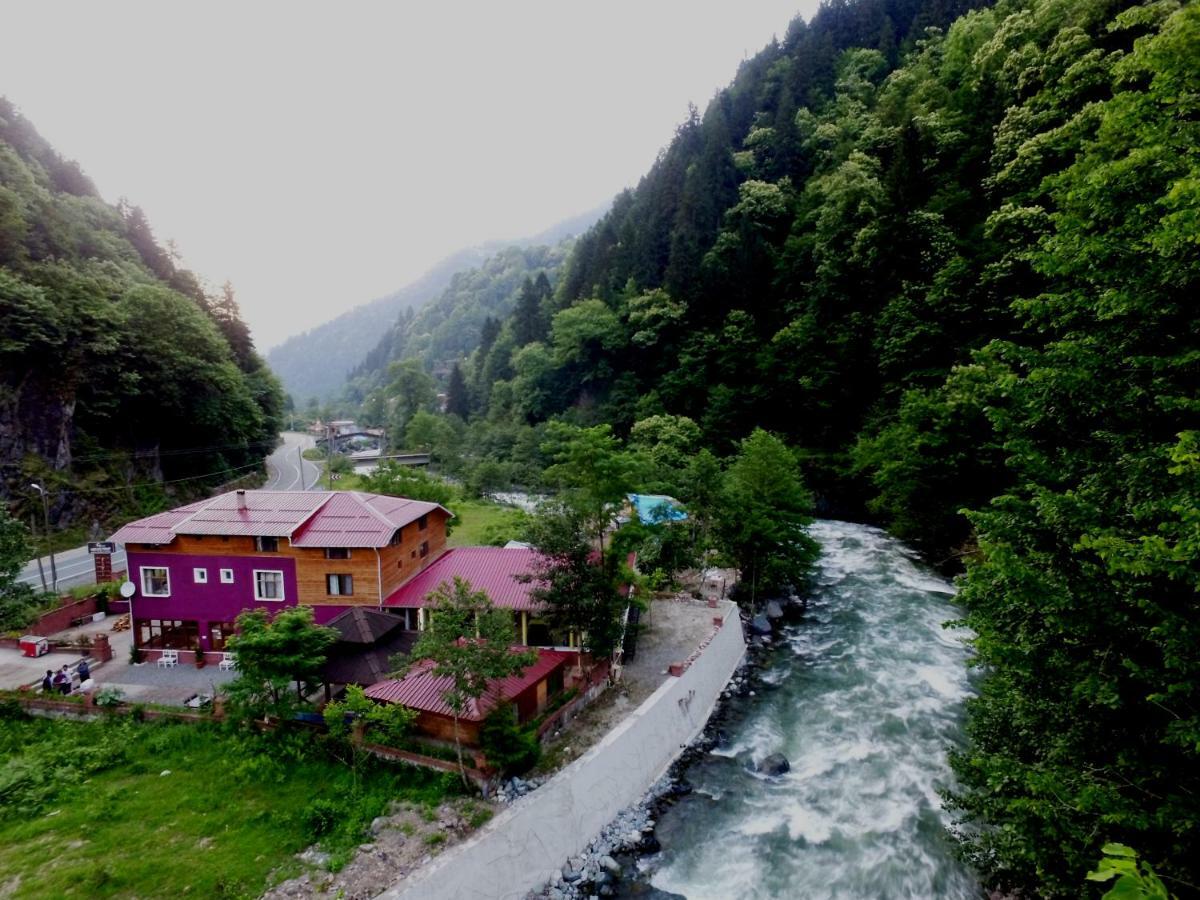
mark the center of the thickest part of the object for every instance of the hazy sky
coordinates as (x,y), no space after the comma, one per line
(323,155)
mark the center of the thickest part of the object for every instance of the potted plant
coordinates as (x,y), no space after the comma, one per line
(199,656)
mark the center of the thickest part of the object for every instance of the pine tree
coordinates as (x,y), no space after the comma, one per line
(457,401)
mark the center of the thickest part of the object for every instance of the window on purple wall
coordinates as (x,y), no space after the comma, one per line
(268,584)
(156,581)
(168,634)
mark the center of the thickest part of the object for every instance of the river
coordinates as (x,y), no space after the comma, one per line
(864,696)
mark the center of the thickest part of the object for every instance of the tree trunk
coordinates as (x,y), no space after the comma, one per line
(462,767)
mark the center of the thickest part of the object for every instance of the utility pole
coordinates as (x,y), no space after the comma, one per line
(300,460)
(329,456)
(41,568)
(49,541)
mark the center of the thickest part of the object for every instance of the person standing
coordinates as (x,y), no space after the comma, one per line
(62,681)
(48,682)
(84,670)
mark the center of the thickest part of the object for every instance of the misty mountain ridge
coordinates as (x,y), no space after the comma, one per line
(344,341)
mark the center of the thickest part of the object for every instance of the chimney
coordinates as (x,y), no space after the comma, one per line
(241,499)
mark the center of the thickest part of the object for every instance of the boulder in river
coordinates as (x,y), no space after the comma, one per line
(774,610)
(760,625)
(775,764)
(646,892)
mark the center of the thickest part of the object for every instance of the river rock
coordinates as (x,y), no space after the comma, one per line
(775,764)
(646,892)
(760,625)
(774,610)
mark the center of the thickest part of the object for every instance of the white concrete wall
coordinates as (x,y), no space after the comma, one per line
(522,847)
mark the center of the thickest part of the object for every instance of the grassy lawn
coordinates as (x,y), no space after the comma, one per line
(125,809)
(480,522)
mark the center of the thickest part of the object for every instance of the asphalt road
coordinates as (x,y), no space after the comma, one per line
(286,471)
(74,566)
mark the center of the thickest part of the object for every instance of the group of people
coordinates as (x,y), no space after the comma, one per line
(60,681)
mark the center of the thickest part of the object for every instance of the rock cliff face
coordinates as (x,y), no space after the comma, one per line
(36,417)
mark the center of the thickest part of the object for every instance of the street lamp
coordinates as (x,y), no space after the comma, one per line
(49,541)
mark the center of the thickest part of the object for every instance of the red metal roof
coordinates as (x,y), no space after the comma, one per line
(155,529)
(307,518)
(266,513)
(421,690)
(355,519)
(489,569)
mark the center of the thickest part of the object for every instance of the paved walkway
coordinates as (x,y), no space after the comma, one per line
(142,683)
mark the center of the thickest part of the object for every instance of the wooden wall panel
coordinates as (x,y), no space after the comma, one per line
(403,560)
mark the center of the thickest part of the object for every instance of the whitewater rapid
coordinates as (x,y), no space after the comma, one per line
(864,698)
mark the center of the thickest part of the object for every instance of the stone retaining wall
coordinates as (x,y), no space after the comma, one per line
(524,845)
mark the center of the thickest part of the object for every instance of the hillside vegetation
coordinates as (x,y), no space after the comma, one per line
(119,373)
(950,255)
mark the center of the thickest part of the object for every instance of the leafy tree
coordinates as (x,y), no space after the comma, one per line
(270,653)
(397,480)
(764,513)
(591,470)
(579,586)
(669,441)
(1134,881)
(434,434)
(412,390)
(16,599)
(468,642)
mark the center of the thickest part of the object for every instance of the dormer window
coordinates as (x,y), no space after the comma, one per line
(266,544)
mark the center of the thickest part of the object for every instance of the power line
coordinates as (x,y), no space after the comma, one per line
(127,487)
(183,451)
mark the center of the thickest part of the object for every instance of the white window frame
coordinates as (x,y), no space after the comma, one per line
(200,575)
(282,586)
(142,570)
(227,576)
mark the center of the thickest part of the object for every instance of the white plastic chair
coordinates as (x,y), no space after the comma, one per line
(226,663)
(169,658)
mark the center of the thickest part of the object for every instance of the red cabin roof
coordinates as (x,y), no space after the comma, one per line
(493,570)
(307,518)
(423,691)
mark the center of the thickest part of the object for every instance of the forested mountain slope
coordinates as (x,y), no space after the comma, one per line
(344,343)
(117,371)
(956,268)
(452,325)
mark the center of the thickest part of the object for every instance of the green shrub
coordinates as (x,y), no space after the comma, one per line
(322,817)
(509,747)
